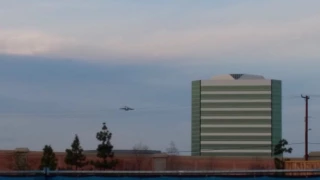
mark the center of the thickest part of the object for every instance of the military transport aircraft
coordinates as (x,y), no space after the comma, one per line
(126,108)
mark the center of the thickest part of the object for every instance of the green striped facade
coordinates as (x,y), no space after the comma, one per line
(276,120)
(195,124)
(236,117)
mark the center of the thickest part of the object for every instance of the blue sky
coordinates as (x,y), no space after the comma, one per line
(67,66)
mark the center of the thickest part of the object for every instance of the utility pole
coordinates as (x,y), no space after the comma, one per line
(306,156)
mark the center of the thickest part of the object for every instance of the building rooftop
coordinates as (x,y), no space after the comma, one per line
(126,152)
(237,77)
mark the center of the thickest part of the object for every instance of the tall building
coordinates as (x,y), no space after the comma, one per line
(236,115)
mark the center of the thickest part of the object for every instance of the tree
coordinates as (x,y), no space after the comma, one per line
(140,150)
(75,156)
(20,161)
(279,150)
(104,150)
(172,149)
(48,159)
(173,160)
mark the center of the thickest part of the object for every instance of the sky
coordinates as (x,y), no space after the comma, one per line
(68,66)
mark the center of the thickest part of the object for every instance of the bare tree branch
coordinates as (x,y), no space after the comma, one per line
(172,149)
(140,150)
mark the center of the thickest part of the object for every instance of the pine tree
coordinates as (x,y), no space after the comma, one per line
(104,150)
(75,156)
(48,159)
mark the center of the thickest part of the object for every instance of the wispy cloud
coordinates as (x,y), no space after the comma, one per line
(29,42)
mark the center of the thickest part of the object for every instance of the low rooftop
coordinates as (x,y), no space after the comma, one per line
(124,151)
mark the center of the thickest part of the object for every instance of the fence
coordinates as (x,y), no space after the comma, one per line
(159,175)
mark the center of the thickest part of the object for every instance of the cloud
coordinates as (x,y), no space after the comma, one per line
(28,42)
(249,31)
(287,40)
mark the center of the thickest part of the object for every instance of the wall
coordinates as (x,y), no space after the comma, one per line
(218,163)
(151,162)
(311,164)
(163,162)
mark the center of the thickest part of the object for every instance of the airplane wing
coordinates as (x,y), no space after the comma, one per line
(126,108)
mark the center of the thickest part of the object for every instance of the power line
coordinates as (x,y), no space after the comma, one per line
(104,111)
(242,148)
(110,110)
